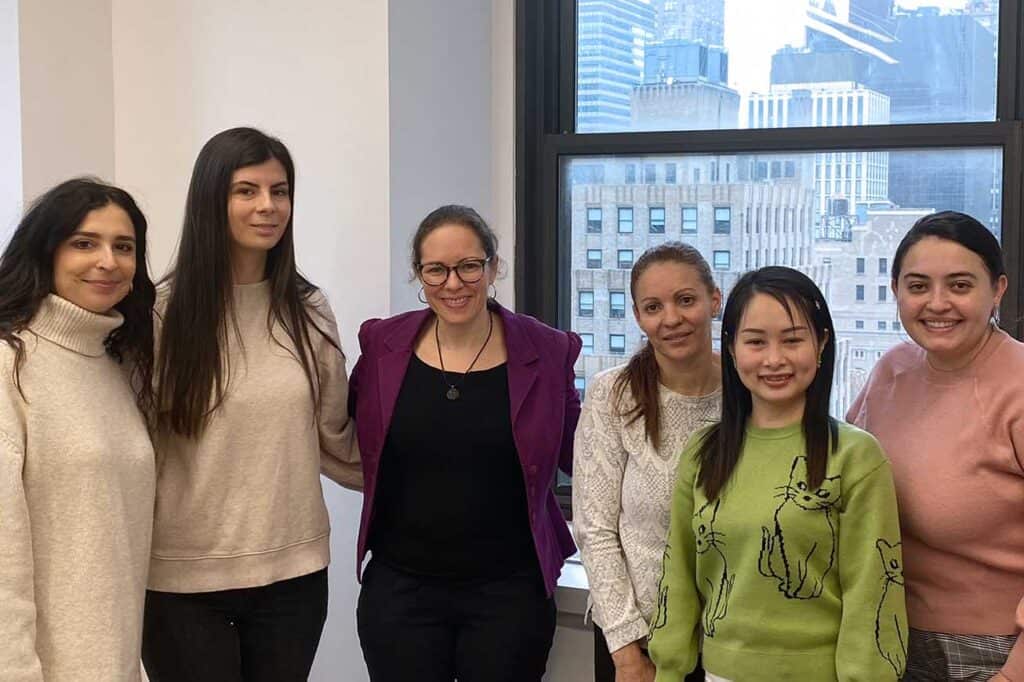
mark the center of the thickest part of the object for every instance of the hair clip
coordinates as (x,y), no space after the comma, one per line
(817,304)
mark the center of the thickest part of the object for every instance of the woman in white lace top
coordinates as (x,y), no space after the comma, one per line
(635,421)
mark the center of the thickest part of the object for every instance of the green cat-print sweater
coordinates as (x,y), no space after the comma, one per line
(777,581)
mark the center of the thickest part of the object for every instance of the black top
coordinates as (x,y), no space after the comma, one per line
(451,499)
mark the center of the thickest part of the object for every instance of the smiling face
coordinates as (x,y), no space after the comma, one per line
(455,301)
(776,358)
(258,207)
(946,297)
(674,309)
(94,267)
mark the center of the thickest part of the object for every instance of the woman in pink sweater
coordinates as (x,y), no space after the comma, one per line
(949,411)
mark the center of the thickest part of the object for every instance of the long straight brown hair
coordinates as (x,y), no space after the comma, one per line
(641,374)
(192,371)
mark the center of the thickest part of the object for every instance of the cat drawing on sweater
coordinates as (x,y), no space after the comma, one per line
(801,549)
(891,623)
(717,583)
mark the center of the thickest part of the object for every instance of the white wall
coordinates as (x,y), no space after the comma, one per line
(10,120)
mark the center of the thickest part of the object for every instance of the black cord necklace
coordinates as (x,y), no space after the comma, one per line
(453,391)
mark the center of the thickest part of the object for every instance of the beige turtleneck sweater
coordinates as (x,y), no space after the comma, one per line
(76,505)
(242,506)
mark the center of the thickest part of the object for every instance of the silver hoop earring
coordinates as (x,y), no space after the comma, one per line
(420,296)
(494,296)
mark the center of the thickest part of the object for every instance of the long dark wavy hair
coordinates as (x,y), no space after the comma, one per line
(26,276)
(192,371)
(641,374)
(719,452)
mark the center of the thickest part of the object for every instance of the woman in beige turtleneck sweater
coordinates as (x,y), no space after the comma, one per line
(76,464)
(253,408)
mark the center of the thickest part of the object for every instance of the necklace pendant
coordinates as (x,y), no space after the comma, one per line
(452,394)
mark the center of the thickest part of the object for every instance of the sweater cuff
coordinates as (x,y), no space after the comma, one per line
(1013,669)
(627,633)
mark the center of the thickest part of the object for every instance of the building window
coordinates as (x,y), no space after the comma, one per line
(650,174)
(594,219)
(858,354)
(722,260)
(657,219)
(860,292)
(689,220)
(630,173)
(617,343)
(586,307)
(723,220)
(860,266)
(617,304)
(588,343)
(625,219)
(581,385)
(881,325)
(896,325)
(883,266)
(625,259)
(670,174)
(858,324)
(882,292)
(593,258)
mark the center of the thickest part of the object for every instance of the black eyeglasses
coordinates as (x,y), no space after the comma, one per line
(468,270)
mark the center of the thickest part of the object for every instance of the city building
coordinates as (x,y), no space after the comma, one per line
(697,21)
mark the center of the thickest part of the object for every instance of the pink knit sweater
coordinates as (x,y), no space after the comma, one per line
(956,442)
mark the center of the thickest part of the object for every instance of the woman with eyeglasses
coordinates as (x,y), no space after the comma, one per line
(463,411)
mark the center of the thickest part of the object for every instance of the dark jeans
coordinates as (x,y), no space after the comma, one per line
(257,634)
(427,629)
(604,666)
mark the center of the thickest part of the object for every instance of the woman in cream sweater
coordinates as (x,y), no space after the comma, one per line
(76,464)
(252,390)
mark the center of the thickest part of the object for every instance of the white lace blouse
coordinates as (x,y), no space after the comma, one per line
(622,491)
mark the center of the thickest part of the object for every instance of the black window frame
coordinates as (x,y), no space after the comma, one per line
(545,113)
(650,219)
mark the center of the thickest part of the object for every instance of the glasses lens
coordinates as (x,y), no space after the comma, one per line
(433,273)
(471,270)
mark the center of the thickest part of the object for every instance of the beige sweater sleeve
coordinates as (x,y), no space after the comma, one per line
(18,659)
(339,452)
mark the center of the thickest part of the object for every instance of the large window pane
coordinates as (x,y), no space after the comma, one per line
(845,243)
(724,64)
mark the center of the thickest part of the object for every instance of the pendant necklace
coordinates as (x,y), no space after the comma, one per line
(453,391)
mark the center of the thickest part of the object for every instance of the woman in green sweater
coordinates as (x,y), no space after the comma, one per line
(783,559)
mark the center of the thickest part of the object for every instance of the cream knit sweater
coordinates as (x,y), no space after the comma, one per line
(242,506)
(76,505)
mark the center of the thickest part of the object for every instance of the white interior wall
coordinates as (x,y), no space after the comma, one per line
(11,198)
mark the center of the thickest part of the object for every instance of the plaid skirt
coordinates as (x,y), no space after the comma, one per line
(940,657)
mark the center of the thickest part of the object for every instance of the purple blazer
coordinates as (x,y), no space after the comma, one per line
(544,403)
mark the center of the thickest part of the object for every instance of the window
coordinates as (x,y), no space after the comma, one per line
(722,260)
(882,290)
(594,219)
(625,219)
(860,292)
(586,307)
(881,325)
(581,385)
(625,259)
(883,266)
(650,174)
(657,219)
(723,220)
(689,220)
(858,354)
(896,326)
(617,304)
(617,343)
(588,343)
(593,258)
(655,77)
(860,266)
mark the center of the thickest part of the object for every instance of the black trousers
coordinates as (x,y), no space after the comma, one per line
(258,634)
(427,629)
(604,666)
